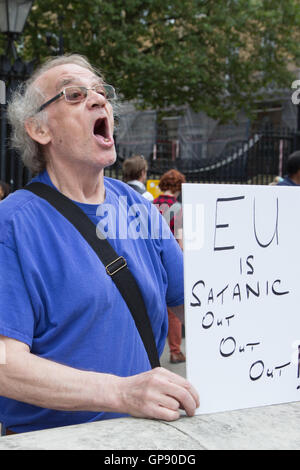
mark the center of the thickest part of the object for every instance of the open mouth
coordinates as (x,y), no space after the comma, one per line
(101,128)
(102,133)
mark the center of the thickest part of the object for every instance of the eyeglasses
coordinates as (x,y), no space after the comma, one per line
(75,94)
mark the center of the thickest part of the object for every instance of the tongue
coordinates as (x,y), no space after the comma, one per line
(104,141)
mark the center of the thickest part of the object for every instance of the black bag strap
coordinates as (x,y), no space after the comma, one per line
(115,265)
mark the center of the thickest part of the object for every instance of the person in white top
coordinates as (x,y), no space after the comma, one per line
(135,175)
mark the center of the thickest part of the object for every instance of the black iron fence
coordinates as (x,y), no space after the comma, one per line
(256,161)
(11,75)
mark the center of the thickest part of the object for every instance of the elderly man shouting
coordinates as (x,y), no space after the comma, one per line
(73,352)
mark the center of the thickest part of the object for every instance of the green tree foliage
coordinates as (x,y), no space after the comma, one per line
(215,55)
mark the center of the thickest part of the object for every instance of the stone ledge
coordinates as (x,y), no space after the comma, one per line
(271,427)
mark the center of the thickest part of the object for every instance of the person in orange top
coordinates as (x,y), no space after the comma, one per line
(168,205)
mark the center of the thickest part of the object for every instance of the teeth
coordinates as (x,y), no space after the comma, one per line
(106,139)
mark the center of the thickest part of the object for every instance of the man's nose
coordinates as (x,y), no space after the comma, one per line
(95,99)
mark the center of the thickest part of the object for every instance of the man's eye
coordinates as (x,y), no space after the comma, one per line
(74,95)
(101,91)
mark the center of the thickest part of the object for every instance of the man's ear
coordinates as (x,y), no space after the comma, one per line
(143,176)
(37,131)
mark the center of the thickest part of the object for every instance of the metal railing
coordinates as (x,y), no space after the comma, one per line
(255,161)
(12,73)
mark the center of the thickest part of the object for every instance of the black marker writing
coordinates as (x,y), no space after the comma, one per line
(222,226)
(231,340)
(261,367)
(221,293)
(198,303)
(252,345)
(249,264)
(237,293)
(218,226)
(208,320)
(265,245)
(257,369)
(281,367)
(277,292)
(228,346)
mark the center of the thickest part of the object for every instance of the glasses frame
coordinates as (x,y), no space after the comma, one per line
(106,86)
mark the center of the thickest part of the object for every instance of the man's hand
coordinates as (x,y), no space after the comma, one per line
(158,394)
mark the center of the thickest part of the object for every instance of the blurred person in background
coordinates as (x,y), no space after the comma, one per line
(4,190)
(170,208)
(135,175)
(293,171)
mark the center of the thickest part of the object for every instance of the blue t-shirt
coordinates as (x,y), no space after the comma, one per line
(56,297)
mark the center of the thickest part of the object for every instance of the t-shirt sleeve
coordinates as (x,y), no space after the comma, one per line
(16,313)
(172,258)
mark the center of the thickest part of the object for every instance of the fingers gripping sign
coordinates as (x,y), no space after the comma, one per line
(158,394)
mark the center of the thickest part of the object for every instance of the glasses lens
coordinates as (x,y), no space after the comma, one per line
(110,92)
(74,93)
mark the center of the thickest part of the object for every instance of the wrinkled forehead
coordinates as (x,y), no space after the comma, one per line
(53,80)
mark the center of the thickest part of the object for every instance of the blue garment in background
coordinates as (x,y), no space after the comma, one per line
(287,182)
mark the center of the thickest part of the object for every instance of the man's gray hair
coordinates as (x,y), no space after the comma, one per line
(24,104)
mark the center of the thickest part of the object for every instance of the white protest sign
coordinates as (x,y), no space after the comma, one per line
(242,294)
